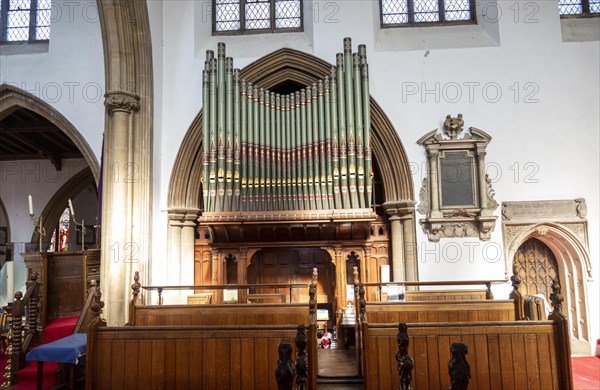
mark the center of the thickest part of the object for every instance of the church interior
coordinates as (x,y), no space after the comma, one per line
(299,194)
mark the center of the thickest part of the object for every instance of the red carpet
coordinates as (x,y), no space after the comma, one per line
(586,373)
(27,377)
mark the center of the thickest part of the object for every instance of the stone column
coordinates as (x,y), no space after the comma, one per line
(434,156)
(403,245)
(188,238)
(173,267)
(120,249)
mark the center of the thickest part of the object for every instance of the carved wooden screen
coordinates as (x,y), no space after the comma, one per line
(535,263)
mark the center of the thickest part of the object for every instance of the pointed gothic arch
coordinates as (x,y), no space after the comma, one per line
(273,70)
(288,65)
(574,270)
(13,98)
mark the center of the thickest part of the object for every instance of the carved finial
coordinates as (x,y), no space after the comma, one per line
(301,358)
(453,126)
(284,372)
(315,275)
(18,295)
(136,284)
(405,362)
(362,303)
(581,208)
(355,275)
(458,367)
(555,297)
(516,282)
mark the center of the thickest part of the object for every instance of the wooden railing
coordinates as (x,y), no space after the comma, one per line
(240,287)
(486,283)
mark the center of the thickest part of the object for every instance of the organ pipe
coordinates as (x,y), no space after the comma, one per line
(306,150)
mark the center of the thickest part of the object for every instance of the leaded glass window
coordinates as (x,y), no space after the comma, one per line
(256,16)
(398,13)
(24,20)
(568,8)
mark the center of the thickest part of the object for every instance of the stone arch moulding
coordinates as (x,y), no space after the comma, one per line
(574,269)
(267,72)
(12,98)
(56,205)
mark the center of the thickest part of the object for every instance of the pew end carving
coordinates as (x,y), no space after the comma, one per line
(458,367)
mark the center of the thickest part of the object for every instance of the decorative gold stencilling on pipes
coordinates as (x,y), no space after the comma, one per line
(307,150)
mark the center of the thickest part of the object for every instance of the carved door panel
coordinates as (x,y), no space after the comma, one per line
(535,263)
(279,265)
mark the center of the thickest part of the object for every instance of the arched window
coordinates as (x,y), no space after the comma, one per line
(24,20)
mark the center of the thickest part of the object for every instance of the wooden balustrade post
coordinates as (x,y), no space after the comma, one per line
(458,367)
(301,359)
(17,332)
(405,362)
(488,292)
(284,372)
(516,295)
(10,374)
(135,287)
(33,308)
(563,340)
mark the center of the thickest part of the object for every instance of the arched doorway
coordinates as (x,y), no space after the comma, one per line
(572,267)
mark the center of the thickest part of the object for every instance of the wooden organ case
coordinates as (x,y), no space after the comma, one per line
(288,182)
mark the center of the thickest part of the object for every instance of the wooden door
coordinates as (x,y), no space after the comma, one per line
(535,263)
(294,265)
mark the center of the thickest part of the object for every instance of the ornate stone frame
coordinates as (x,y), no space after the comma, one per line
(453,220)
(562,226)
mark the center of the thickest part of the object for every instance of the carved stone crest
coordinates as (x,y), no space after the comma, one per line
(453,126)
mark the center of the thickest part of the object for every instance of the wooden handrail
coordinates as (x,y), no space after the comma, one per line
(160,289)
(438,283)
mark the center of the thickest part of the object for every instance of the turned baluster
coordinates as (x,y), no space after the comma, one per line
(9,377)
(32,304)
(17,324)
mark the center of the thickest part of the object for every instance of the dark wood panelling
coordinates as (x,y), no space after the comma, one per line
(502,355)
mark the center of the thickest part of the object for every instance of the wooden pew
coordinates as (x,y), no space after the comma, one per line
(502,355)
(449,311)
(445,295)
(226,314)
(200,357)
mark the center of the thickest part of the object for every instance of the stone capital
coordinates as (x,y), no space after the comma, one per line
(121,101)
(397,209)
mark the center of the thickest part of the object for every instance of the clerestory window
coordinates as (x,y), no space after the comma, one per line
(579,8)
(256,16)
(24,20)
(405,13)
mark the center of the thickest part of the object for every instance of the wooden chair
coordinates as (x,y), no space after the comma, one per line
(199,299)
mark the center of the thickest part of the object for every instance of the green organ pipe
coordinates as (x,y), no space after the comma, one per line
(306,150)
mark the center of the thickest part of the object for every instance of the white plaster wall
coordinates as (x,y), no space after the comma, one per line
(70,76)
(535,95)
(18,180)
